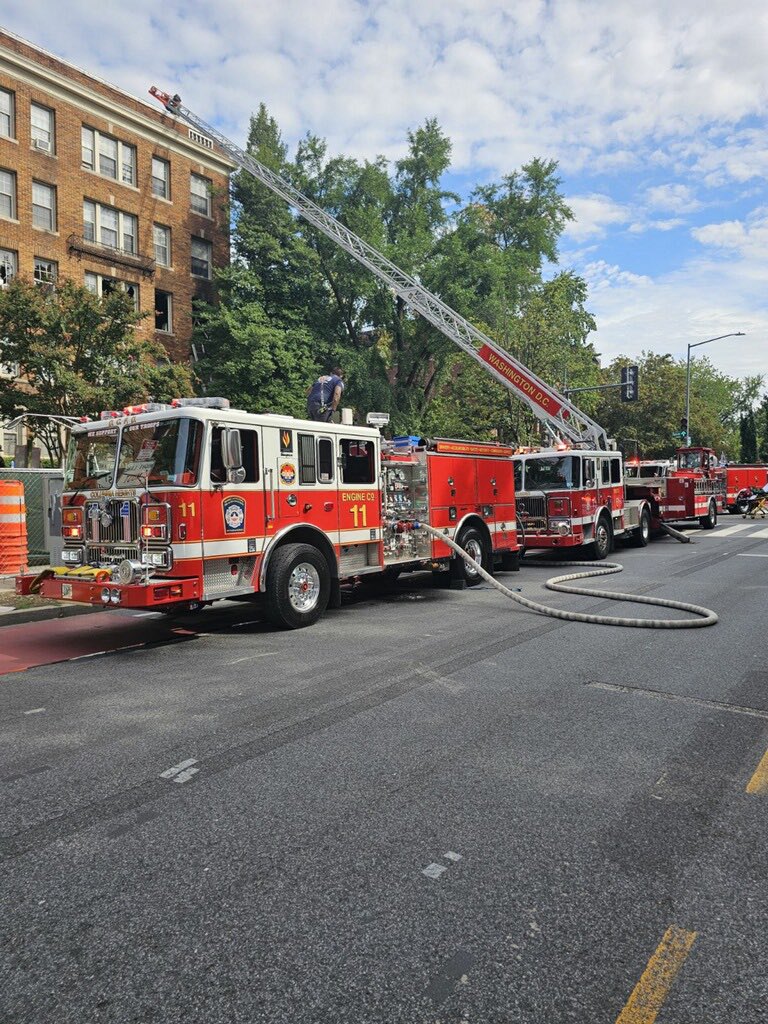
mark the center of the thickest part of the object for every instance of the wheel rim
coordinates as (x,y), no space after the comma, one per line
(645,527)
(601,538)
(304,587)
(474,549)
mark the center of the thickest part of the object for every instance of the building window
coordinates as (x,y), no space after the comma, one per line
(163,311)
(201,257)
(110,227)
(8,194)
(43,206)
(107,156)
(162,239)
(43,131)
(105,286)
(7,126)
(8,264)
(46,271)
(161,178)
(200,194)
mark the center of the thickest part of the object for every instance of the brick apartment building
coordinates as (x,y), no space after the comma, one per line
(109,191)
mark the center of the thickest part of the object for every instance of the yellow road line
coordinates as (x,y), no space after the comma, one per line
(653,988)
(758,784)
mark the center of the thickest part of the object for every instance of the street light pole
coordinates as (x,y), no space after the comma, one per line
(735,334)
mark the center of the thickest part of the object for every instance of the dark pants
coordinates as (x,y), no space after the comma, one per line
(321,413)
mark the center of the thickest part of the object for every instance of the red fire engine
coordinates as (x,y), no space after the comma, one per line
(170,507)
(739,481)
(688,488)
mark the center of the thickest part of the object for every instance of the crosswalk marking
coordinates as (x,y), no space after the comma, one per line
(728,531)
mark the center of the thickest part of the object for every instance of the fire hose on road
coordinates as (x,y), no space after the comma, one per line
(706,617)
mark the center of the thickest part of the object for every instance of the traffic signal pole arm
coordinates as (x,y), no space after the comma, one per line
(561,419)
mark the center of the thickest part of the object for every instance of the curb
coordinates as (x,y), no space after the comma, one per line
(40,614)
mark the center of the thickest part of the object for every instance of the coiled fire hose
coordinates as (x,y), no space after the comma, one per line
(558,583)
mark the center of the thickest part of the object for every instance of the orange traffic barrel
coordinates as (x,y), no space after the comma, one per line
(13,528)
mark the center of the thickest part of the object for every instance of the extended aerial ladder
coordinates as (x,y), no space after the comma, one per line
(560,418)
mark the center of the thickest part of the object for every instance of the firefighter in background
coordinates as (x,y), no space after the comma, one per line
(325,394)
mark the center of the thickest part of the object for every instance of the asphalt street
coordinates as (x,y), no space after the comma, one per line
(433,806)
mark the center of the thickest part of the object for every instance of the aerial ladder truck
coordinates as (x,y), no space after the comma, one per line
(570,495)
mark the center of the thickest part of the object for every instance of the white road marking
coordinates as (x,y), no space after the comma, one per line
(452,856)
(728,531)
(187,775)
(751,554)
(170,772)
(264,654)
(143,615)
(34,711)
(760,534)
(434,870)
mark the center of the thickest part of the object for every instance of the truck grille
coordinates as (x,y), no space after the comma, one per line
(532,512)
(105,525)
(100,554)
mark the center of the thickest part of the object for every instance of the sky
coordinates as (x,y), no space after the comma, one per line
(655,113)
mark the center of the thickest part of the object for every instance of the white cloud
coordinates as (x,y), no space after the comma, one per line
(593,215)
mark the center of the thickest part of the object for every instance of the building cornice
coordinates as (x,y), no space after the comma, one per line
(57,85)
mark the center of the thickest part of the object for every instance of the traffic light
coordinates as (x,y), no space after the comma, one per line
(629,380)
(684,426)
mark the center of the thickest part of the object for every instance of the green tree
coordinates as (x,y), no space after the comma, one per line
(762,419)
(77,354)
(655,418)
(748,437)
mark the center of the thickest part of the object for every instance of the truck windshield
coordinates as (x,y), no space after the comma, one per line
(553,473)
(691,460)
(91,458)
(164,452)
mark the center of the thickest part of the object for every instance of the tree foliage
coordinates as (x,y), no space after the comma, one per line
(77,354)
(294,302)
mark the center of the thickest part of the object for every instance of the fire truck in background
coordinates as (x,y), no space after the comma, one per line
(739,483)
(686,489)
(170,507)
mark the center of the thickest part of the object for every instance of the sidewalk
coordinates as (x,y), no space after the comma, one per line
(16,610)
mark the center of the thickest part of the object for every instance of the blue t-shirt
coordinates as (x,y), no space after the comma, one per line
(324,387)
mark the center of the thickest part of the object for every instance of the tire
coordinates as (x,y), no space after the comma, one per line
(642,534)
(709,521)
(742,503)
(603,542)
(298,586)
(473,543)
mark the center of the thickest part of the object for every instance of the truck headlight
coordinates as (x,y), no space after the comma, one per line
(72,556)
(105,595)
(158,559)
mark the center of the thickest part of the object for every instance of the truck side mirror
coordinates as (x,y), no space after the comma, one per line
(231,451)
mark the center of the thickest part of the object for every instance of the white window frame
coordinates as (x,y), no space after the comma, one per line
(165,193)
(97,143)
(9,261)
(39,206)
(169,296)
(94,228)
(200,191)
(209,258)
(8,116)
(43,134)
(165,244)
(46,271)
(11,215)
(95,283)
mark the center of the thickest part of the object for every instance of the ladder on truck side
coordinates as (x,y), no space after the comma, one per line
(560,418)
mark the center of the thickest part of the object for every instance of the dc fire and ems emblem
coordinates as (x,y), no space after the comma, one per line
(234,514)
(287,472)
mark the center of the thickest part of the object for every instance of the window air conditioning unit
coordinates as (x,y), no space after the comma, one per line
(42,144)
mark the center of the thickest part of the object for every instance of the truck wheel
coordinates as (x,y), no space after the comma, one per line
(298,586)
(742,502)
(709,521)
(474,544)
(601,546)
(642,534)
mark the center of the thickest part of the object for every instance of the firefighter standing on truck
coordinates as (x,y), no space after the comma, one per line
(324,395)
